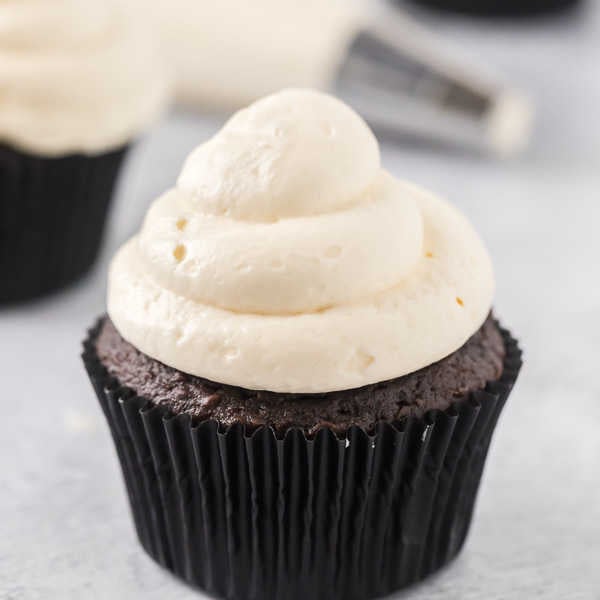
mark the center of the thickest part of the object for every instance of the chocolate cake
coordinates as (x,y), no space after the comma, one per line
(434,387)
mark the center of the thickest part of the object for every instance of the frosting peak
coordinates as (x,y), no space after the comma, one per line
(287,259)
(280,208)
(293,154)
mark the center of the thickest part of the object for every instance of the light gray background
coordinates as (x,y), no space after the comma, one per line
(65,530)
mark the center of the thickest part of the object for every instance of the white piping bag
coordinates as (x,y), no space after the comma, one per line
(400,77)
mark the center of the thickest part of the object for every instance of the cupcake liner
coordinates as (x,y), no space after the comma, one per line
(510,8)
(247,515)
(52,215)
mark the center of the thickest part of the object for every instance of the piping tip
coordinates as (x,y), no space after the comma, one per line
(404,81)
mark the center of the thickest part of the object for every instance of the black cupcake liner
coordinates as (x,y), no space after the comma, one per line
(248,515)
(52,216)
(501,8)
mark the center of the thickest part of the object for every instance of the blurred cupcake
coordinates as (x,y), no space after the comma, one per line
(78,82)
(299,366)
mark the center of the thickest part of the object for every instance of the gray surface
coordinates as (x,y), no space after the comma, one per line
(65,530)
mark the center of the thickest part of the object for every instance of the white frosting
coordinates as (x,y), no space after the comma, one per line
(75,75)
(286,259)
(227,53)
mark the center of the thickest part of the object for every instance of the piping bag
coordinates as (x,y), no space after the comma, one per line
(401,78)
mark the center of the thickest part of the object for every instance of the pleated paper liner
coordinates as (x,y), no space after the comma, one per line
(246,515)
(504,8)
(52,216)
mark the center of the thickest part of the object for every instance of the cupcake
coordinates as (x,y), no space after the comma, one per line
(299,365)
(79,82)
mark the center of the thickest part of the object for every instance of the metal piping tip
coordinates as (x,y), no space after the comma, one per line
(401,79)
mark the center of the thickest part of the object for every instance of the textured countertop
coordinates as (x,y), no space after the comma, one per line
(65,529)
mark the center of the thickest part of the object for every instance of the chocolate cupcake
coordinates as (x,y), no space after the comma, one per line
(80,81)
(299,365)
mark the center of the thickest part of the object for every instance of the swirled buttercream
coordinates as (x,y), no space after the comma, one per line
(75,76)
(287,259)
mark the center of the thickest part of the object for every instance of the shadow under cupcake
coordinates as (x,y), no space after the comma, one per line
(80,81)
(272,447)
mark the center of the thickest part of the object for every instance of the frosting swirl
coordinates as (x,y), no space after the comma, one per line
(287,259)
(75,76)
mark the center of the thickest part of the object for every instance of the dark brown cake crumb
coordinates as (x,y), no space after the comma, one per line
(437,386)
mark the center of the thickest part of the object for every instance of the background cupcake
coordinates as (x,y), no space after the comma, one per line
(79,81)
(299,368)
